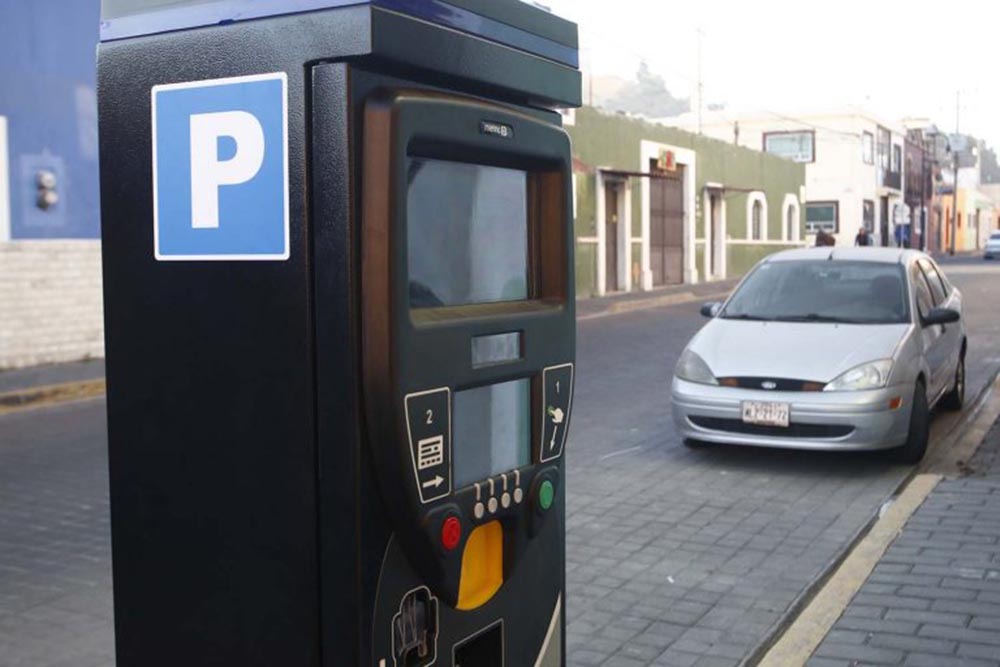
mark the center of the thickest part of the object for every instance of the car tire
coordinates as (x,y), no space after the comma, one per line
(916,441)
(691,443)
(955,398)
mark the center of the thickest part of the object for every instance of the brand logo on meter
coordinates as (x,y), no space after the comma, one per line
(220,174)
(496,129)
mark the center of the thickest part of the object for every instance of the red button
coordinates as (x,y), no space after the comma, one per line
(451,533)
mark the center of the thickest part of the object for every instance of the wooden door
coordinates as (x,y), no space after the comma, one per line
(666,227)
(611,237)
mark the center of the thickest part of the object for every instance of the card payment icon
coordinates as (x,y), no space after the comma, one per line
(430,452)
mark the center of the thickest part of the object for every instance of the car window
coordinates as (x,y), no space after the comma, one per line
(922,291)
(854,292)
(938,288)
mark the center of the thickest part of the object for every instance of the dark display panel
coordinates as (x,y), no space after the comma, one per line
(491,430)
(467,233)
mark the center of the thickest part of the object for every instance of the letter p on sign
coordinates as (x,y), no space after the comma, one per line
(220,169)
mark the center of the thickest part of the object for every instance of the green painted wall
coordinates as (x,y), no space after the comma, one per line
(586,269)
(741,258)
(613,141)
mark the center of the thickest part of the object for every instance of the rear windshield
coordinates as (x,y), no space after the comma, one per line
(822,291)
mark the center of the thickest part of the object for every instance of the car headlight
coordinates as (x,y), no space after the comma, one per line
(693,368)
(873,375)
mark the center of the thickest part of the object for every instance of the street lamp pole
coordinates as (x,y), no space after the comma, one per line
(954,204)
(954,159)
(923,195)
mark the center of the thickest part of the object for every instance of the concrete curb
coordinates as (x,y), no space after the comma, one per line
(800,604)
(619,307)
(35,397)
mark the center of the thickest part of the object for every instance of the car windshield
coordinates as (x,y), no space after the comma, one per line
(822,291)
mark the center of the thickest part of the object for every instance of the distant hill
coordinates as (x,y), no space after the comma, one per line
(646,95)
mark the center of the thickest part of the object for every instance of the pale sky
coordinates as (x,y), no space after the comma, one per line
(897,58)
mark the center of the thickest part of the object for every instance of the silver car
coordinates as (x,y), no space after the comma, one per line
(826,348)
(992,248)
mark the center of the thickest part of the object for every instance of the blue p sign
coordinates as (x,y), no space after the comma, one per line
(220,169)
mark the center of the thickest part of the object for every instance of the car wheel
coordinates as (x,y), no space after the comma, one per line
(916,441)
(954,399)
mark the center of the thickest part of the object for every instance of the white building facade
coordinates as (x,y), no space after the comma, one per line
(854,165)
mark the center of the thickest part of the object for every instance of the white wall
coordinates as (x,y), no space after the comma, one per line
(839,172)
(50,302)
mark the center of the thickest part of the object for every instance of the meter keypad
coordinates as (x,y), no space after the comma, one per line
(428,421)
(557,397)
(497,497)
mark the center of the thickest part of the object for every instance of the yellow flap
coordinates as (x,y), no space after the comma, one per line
(482,566)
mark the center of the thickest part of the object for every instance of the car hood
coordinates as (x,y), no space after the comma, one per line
(812,351)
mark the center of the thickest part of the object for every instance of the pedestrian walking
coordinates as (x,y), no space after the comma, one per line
(824,238)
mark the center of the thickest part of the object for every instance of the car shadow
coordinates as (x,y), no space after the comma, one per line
(818,464)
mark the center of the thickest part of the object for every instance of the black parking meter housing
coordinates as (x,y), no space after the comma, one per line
(352,455)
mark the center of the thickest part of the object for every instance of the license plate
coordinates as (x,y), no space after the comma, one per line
(765,413)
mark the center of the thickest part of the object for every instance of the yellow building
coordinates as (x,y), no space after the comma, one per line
(976,216)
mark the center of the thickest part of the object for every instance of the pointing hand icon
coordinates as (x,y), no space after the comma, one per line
(557,415)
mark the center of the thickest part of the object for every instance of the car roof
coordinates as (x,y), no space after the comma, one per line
(847,254)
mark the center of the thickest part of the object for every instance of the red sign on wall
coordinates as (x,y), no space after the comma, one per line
(666,161)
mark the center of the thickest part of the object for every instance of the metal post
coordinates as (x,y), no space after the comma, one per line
(954,204)
(923,194)
(954,158)
(701,89)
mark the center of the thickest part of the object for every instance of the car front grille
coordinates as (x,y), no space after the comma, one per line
(811,431)
(772,384)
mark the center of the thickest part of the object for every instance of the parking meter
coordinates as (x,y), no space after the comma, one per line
(340,330)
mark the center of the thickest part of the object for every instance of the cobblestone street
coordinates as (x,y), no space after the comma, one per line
(675,556)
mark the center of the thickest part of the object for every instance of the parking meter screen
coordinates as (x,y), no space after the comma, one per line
(467,233)
(491,431)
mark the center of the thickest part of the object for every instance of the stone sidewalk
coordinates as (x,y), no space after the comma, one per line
(32,377)
(934,598)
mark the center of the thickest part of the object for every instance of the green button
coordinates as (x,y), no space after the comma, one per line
(546,494)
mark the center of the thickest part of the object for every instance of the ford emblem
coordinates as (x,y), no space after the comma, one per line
(768,384)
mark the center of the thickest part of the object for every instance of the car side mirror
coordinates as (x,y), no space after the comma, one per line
(711,309)
(940,316)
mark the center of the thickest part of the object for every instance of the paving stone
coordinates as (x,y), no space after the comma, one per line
(946,609)
(861,653)
(740,532)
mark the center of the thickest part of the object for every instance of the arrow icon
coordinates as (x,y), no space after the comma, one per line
(436,482)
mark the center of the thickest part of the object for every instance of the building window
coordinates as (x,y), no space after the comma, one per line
(758,211)
(868,215)
(791,231)
(822,215)
(884,139)
(756,216)
(795,146)
(868,148)
(897,158)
